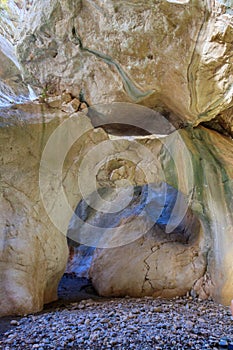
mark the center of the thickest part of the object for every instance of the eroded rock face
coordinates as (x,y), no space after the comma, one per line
(169,54)
(129,262)
(12,87)
(139,256)
(39,178)
(33,252)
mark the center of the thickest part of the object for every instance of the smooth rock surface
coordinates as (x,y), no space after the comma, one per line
(33,253)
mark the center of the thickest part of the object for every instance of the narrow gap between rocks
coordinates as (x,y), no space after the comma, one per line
(75,284)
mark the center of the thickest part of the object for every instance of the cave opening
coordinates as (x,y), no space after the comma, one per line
(76,284)
(132,205)
(158,210)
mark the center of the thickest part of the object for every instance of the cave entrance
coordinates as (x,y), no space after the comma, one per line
(149,211)
(76,284)
(153,206)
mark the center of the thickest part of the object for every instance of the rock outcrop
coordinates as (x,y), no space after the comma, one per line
(65,157)
(170,54)
(127,260)
(12,87)
(33,252)
(139,257)
(174,56)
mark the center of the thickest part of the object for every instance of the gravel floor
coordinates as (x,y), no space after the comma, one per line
(126,323)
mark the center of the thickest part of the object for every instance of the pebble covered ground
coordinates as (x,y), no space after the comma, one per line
(125,323)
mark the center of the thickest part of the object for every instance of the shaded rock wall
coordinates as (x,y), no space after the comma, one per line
(12,87)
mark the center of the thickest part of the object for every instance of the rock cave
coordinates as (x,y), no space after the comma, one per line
(116,123)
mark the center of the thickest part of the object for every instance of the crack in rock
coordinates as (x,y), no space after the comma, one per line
(132,90)
(146,279)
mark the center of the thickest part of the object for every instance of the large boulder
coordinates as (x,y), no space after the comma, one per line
(139,256)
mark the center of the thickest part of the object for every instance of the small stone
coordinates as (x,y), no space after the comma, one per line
(87,321)
(156,309)
(83,106)
(105,320)
(14,323)
(66,97)
(223,344)
(189,324)
(54,101)
(72,106)
(132,328)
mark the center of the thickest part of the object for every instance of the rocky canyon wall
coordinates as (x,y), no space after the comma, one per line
(33,252)
(170,54)
(174,57)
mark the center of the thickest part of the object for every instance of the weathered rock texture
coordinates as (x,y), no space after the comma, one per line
(167,54)
(33,253)
(174,56)
(153,262)
(137,264)
(12,87)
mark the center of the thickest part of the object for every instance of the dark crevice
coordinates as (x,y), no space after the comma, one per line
(218,126)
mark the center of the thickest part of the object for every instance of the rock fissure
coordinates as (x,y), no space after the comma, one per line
(146,279)
(8,201)
(133,92)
